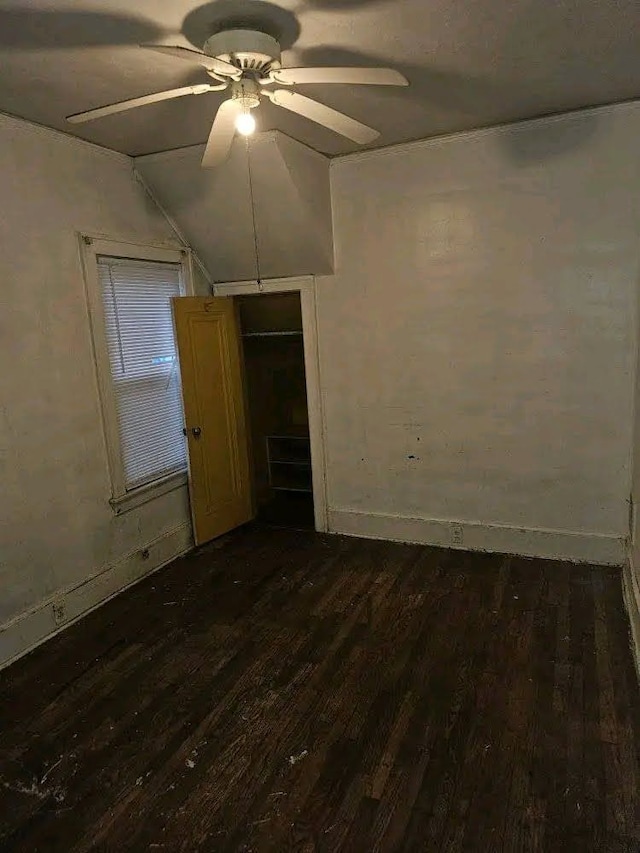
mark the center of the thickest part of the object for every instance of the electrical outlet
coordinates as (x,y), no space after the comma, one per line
(457,536)
(59,612)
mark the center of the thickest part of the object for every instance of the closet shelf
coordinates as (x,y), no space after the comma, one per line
(289,463)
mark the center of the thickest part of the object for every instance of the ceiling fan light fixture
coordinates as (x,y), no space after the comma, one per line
(246,94)
(245,123)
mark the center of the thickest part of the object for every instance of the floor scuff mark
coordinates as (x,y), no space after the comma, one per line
(294,759)
(53,767)
(35,790)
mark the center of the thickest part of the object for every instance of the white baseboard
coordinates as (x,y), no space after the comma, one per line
(553,544)
(27,630)
(631,592)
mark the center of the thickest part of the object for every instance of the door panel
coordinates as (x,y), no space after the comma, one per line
(209,350)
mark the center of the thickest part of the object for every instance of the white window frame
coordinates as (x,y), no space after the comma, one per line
(91,248)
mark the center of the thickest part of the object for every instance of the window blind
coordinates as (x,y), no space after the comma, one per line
(144,365)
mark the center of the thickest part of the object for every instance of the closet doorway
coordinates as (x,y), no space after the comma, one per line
(277,408)
(292,310)
(251,392)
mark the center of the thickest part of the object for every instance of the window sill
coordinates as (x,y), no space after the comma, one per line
(149,492)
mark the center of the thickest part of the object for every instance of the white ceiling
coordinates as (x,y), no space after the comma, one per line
(470,64)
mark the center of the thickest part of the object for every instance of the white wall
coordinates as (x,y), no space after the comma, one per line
(57,527)
(631,576)
(477,339)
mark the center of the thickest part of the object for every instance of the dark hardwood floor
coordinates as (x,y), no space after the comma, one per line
(286,691)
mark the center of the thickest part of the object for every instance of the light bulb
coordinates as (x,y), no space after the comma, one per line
(245,124)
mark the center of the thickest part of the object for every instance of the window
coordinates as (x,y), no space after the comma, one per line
(130,302)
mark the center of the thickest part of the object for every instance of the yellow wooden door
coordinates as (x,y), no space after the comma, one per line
(208,343)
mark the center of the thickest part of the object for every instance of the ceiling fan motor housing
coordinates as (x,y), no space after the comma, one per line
(254,52)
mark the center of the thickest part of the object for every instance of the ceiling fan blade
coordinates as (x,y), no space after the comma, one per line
(221,135)
(354,76)
(89,115)
(338,122)
(209,62)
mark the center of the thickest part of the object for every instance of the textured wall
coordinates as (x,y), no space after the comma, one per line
(477,339)
(56,524)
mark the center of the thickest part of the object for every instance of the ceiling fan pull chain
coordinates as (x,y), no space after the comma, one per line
(253,216)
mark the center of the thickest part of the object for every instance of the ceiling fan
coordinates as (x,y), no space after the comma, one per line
(247,64)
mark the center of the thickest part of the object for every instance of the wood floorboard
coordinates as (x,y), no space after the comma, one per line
(286,691)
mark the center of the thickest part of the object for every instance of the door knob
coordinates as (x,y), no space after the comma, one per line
(196,432)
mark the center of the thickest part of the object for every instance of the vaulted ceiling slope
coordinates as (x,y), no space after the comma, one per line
(470,64)
(287,210)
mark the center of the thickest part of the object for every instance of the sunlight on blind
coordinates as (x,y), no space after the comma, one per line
(144,365)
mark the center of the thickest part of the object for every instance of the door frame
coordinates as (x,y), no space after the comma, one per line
(306,286)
